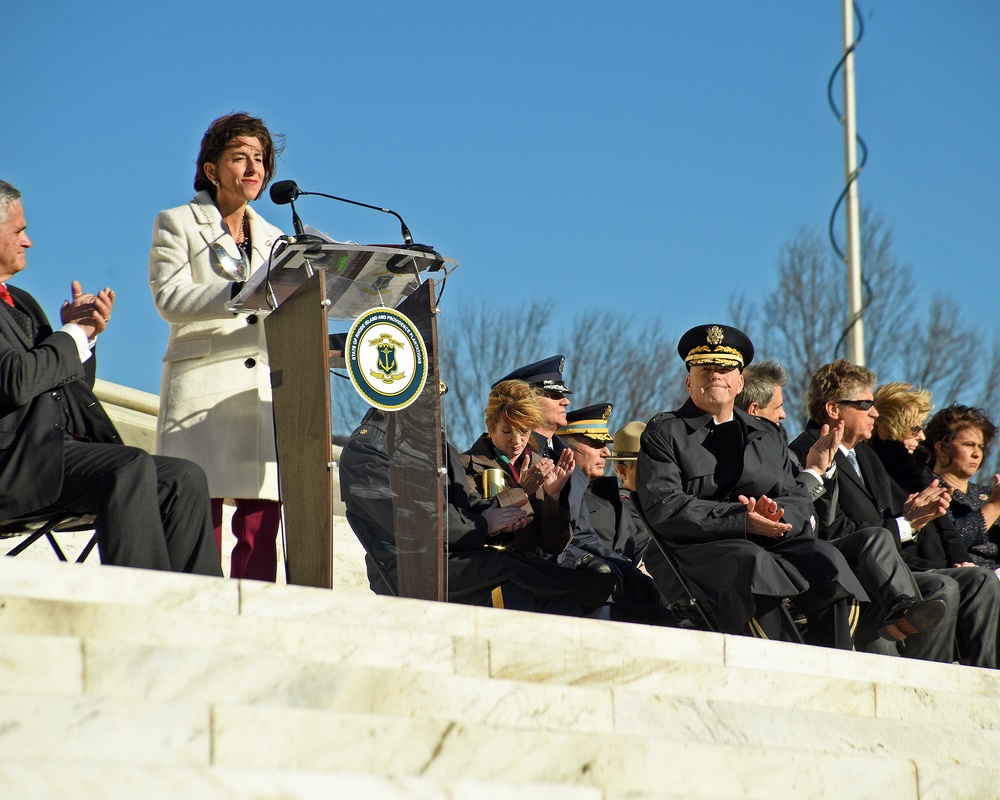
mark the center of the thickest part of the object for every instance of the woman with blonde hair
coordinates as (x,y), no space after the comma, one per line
(899,431)
(512,413)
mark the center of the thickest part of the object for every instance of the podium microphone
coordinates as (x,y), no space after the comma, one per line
(284,192)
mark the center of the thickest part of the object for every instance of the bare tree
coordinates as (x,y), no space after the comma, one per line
(478,346)
(807,316)
(919,340)
(615,358)
(887,318)
(942,356)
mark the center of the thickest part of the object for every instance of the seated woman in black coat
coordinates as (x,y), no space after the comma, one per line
(902,412)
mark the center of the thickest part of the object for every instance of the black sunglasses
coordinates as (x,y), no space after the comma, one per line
(862,405)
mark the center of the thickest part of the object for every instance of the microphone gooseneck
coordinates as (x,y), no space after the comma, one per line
(286,192)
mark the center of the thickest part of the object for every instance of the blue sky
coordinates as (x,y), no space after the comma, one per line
(651,158)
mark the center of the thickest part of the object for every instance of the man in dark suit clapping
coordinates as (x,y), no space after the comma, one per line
(58,448)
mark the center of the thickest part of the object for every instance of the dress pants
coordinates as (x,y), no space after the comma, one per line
(973,595)
(872,554)
(831,602)
(255,526)
(937,644)
(152,512)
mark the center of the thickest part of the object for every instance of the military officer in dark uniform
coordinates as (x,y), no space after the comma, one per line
(586,432)
(717,487)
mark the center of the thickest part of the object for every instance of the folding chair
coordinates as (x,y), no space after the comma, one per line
(35,526)
(690,608)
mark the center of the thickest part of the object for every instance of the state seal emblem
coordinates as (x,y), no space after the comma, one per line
(386,359)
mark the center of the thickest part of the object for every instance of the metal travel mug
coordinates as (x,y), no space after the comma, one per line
(493,482)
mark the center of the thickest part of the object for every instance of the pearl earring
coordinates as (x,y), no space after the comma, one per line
(215,183)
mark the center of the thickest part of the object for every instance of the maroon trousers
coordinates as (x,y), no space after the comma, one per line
(255,526)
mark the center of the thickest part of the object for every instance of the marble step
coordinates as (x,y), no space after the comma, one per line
(426,651)
(966,734)
(131,731)
(449,638)
(84,781)
(127,648)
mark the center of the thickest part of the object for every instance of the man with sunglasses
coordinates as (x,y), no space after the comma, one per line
(841,393)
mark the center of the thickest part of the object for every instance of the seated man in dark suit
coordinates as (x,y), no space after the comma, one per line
(898,610)
(717,486)
(59,451)
(843,392)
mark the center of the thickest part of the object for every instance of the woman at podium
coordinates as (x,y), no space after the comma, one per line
(215,395)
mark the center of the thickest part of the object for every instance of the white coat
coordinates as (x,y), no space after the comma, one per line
(215,393)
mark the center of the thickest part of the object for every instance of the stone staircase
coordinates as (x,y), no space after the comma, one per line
(119,683)
(124,683)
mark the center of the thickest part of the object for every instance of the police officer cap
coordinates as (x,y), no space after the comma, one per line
(720,345)
(626,441)
(589,421)
(545,374)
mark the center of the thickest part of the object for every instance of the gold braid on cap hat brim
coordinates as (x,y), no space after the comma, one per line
(719,354)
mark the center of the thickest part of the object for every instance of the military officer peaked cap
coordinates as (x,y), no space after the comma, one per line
(719,345)
(545,374)
(626,442)
(589,421)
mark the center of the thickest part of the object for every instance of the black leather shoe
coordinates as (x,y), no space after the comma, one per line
(593,563)
(910,616)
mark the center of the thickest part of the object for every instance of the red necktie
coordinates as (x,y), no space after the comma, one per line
(5,295)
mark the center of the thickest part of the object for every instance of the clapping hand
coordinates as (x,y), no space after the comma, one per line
(533,476)
(764,517)
(560,473)
(927,505)
(821,454)
(90,311)
(507,518)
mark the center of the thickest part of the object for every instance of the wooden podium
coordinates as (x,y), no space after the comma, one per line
(297,333)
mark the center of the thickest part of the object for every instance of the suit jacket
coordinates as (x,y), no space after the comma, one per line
(215,392)
(859,503)
(677,485)
(45,394)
